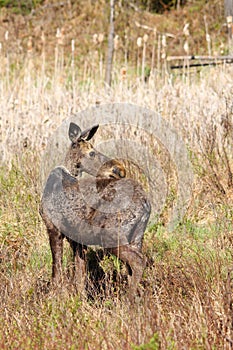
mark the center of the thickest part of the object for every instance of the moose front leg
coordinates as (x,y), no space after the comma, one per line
(56,245)
(79,271)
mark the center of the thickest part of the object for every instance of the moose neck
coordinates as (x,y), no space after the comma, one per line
(71,167)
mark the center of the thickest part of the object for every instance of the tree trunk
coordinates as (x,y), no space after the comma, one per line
(108,74)
(228,7)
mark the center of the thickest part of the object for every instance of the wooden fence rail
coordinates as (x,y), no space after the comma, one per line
(189,61)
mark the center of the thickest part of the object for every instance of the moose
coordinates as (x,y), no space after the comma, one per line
(106,209)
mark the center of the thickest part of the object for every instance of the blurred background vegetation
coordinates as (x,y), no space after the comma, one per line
(80,20)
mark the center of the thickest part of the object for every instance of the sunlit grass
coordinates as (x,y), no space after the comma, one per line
(183,288)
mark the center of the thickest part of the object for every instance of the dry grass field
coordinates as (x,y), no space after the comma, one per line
(186,296)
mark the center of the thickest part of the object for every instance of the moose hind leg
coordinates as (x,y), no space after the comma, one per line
(134,258)
(56,245)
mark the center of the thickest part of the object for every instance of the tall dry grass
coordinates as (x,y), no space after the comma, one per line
(186,300)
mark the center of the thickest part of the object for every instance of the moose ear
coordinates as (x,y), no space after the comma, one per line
(89,133)
(74,132)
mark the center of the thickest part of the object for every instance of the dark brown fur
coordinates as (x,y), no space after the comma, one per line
(84,211)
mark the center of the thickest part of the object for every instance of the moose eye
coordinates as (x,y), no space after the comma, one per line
(92,154)
(115,170)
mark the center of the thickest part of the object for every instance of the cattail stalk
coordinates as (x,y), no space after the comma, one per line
(208,39)
(73,74)
(7,62)
(153,51)
(159,53)
(145,39)
(139,45)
